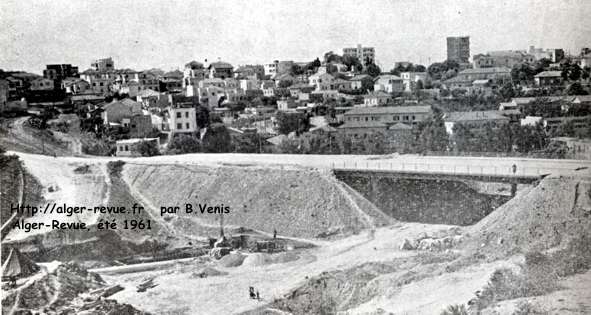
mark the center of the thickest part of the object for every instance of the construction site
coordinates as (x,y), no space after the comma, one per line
(297,239)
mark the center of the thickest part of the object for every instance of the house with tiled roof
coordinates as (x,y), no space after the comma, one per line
(360,81)
(376,98)
(220,69)
(388,83)
(116,111)
(410,115)
(548,78)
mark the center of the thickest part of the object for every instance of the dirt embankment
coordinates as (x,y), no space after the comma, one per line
(79,184)
(531,253)
(548,217)
(297,203)
(58,292)
(16,186)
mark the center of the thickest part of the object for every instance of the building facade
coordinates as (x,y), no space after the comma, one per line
(363,54)
(458,49)
(103,65)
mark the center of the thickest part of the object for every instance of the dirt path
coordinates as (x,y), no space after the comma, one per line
(22,138)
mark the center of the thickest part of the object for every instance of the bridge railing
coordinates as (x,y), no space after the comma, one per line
(449,168)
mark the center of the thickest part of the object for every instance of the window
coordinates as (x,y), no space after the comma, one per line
(179,126)
(413,117)
(186,114)
(366,118)
(126,148)
(178,115)
(187,126)
(405,117)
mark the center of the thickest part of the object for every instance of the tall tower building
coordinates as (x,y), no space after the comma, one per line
(458,49)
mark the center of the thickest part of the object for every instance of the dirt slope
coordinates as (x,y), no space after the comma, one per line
(547,217)
(295,202)
(57,292)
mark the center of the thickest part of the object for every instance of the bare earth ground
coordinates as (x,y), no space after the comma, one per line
(417,282)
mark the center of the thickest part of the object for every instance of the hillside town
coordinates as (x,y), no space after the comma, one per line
(523,102)
(305,157)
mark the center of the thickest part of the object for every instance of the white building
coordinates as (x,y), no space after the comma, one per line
(129,147)
(182,119)
(411,79)
(388,83)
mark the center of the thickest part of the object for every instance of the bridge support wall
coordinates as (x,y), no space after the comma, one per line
(435,201)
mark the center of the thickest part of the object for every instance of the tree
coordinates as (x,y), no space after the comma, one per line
(217,139)
(506,91)
(432,134)
(586,73)
(462,137)
(202,116)
(148,148)
(297,70)
(407,68)
(332,57)
(443,70)
(290,146)
(574,72)
(312,66)
(184,143)
(288,122)
(522,72)
(246,142)
(541,65)
(372,69)
(419,85)
(576,89)
(352,63)
(566,129)
(556,150)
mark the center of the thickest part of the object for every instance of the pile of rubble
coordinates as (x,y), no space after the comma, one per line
(433,243)
(67,289)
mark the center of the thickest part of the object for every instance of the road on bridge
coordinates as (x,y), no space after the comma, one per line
(407,163)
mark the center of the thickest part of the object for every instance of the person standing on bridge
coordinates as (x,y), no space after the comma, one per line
(514,168)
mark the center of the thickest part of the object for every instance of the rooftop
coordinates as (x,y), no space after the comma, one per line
(486,70)
(400,126)
(474,116)
(548,74)
(363,124)
(360,77)
(135,140)
(220,64)
(388,110)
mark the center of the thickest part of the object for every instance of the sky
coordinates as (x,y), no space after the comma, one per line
(167,34)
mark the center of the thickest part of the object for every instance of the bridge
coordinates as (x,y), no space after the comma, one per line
(501,170)
(489,173)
